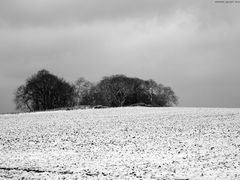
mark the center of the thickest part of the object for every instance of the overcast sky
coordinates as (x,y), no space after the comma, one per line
(192,46)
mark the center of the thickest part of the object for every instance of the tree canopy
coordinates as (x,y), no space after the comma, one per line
(120,90)
(44,91)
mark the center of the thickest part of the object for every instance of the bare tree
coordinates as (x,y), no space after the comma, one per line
(22,100)
(82,90)
(44,91)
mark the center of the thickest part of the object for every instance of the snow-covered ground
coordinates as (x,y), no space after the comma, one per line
(122,143)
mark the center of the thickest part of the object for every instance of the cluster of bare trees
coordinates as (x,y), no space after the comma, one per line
(44,91)
(120,90)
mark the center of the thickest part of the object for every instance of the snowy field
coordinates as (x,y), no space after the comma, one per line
(121,143)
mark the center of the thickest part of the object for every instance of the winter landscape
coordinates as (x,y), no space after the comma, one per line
(121,143)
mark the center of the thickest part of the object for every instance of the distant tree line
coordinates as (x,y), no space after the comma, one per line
(44,91)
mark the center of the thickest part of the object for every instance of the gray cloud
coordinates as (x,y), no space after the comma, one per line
(40,12)
(63,12)
(190,46)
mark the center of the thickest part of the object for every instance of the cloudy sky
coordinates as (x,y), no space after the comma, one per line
(192,46)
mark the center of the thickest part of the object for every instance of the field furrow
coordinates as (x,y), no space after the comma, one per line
(121,143)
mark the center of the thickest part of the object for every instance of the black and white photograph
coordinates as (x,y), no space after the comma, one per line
(120,89)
